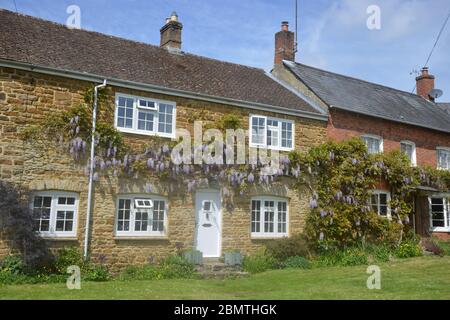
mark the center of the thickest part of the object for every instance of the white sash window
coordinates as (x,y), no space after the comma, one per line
(145,116)
(55,213)
(269,217)
(141,217)
(271,133)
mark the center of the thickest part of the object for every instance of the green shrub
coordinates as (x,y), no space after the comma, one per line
(260,262)
(176,267)
(96,273)
(409,249)
(173,267)
(354,257)
(284,248)
(296,263)
(139,273)
(346,257)
(66,257)
(8,278)
(381,253)
(12,264)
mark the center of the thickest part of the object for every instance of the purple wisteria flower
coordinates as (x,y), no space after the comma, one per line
(313,203)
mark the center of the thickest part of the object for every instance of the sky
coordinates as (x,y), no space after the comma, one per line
(333,34)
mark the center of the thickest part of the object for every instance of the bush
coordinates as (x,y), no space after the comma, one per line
(176,267)
(8,278)
(12,264)
(381,253)
(173,267)
(282,249)
(139,273)
(71,256)
(346,257)
(260,262)
(409,249)
(66,257)
(96,273)
(296,263)
(17,225)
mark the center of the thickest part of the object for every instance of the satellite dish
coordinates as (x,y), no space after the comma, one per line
(436,93)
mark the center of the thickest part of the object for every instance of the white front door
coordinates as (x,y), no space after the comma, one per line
(208,223)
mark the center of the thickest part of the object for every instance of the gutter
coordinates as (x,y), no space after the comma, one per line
(158,89)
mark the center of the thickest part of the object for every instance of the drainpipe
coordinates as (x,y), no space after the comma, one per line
(91,170)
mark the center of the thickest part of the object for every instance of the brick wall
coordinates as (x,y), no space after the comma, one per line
(27,98)
(345,125)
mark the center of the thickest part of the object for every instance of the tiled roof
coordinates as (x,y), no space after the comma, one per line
(342,92)
(34,41)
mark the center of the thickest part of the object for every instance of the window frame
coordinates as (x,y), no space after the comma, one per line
(414,155)
(438,149)
(280,133)
(155,112)
(388,200)
(446,206)
(372,136)
(54,207)
(133,209)
(262,233)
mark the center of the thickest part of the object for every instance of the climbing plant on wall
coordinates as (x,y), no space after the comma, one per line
(340,176)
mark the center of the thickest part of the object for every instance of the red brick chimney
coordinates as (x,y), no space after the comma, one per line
(171,33)
(284,44)
(425,83)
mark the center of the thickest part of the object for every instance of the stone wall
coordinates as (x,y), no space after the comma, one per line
(28,98)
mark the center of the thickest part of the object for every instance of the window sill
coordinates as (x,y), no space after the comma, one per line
(144,133)
(58,238)
(256,146)
(137,238)
(441,230)
(268,237)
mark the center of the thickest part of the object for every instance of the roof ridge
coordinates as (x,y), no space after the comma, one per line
(359,80)
(126,39)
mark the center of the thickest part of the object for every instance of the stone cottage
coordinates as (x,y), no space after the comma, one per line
(45,68)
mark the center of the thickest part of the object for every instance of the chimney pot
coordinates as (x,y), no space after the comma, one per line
(285,26)
(425,83)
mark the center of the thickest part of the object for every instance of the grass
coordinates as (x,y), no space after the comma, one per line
(418,278)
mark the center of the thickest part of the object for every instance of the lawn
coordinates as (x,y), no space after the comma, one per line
(418,278)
